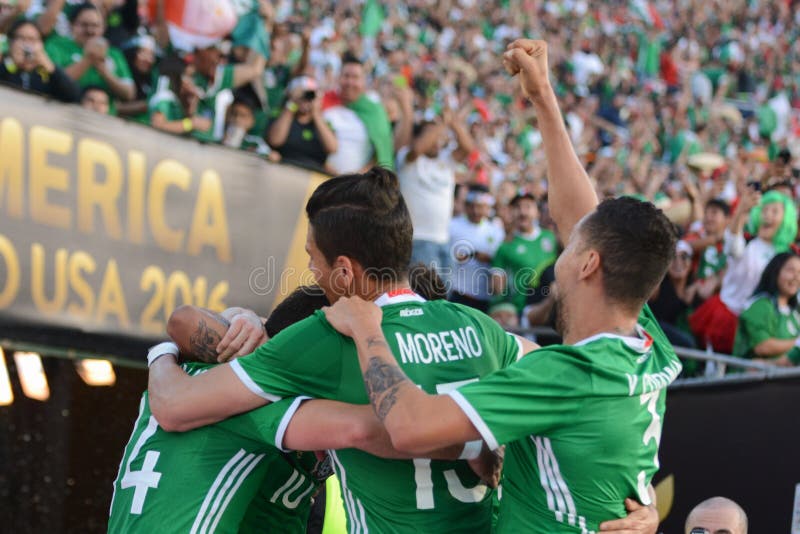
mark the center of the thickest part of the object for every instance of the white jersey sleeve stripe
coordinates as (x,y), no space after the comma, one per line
(285,420)
(475,419)
(250,384)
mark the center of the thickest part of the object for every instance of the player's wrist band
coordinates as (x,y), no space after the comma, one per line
(472,449)
(292,107)
(187,124)
(167,347)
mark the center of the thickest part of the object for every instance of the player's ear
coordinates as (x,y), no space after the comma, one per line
(345,271)
(590,265)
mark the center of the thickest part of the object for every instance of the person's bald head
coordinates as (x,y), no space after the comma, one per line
(717,515)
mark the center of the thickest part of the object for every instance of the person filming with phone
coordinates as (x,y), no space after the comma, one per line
(300,134)
(28,66)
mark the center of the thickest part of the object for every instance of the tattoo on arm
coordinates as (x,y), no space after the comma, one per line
(383,381)
(204,340)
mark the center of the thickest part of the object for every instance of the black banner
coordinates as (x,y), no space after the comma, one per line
(106,226)
(739,441)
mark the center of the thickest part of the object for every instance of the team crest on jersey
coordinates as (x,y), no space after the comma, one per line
(411,312)
(547,245)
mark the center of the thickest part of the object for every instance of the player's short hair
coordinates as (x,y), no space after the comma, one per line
(636,243)
(301,303)
(363,217)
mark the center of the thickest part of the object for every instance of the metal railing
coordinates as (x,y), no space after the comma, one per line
(717,364)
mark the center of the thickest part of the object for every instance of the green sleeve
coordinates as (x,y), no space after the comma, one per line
(794,356)
(756,324)
(267,424)
(164,106)
(304,359)
(536,395)
(121,69)
(508,346)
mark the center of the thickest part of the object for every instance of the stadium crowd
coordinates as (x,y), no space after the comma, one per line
(690,104)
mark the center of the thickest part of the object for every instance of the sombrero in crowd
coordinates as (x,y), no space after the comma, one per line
(705,161)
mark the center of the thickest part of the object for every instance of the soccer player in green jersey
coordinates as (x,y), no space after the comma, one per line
(225,477)
(359,243)
(582,420)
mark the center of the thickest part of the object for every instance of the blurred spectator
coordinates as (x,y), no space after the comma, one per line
(672,300)
(774,221)
(716,515)
(769,328)
(427,175)
(519,263)
(96,99)
(214,81)
(474,239)
(240,119)
(300,134)
(540,305)
(87,57)
(141,57)
(28,66)
(505,314)
(175,109)
(706,240)
(361,126)
(279,72)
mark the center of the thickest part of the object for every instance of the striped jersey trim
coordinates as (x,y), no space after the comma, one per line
(353,508)
(223,490)
(250,383)
(475,418)
(559,497)
(285,420)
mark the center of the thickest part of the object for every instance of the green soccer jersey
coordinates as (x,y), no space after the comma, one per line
(524,259)
(218,478)
(64,52)
(215,98)
(439,345)
(711,262)
(582,423)
(763,320)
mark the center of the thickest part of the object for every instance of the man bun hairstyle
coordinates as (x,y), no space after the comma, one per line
(363,217)
(636,243)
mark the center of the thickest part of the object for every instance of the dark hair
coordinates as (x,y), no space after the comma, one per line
(768,284)
(419,127)
(19,23)
(519,197)
(636,243)
(363,217)
(719,204)
(349,57)
(301,303)
(80,9)
(426,282)
(90,88)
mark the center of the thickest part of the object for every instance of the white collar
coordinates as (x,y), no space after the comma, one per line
(643,343)
(398,296)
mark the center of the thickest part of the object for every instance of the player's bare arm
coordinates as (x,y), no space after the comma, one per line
(416,422)
(181,402)
(197,332)
(325,424)
(571,194)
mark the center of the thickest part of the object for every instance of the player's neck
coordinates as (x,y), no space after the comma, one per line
(587,321)
(374,290)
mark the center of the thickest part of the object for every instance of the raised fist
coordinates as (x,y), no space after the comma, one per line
(528,59)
